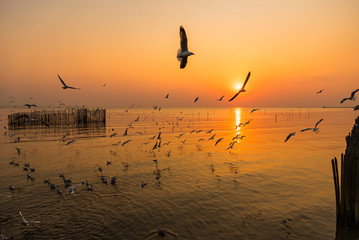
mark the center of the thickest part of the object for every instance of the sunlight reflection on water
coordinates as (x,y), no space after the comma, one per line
(263,188)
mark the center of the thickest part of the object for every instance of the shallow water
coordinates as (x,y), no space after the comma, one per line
(263,188)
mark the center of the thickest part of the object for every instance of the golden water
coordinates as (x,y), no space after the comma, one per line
(263,188)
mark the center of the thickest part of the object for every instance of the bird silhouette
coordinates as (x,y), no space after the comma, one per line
(183,53)
(66,86)
(242,89)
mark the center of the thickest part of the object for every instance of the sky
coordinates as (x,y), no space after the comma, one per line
(292,49)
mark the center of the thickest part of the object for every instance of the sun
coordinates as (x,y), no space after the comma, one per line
(238,86)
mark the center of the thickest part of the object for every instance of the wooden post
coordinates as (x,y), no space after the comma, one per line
(336,187)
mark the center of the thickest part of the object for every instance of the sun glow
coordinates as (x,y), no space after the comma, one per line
(238,86)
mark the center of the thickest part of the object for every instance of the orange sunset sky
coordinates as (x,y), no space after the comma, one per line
(292,48)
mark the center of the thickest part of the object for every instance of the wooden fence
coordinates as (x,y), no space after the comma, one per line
(347,189)
(76,117)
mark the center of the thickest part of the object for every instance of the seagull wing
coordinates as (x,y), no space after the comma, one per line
(23,219)
(46,124)
(183,38)
(306,129)
(23,115)
(343,100)
(183,62)
(290,134)
(33,221)
(245,82)
(62,80)
(74,88)
(318,123)
(234,96)
(353,93)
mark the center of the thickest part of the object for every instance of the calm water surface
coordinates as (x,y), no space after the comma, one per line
(263,188)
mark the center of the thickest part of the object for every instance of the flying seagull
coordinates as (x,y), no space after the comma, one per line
(351,97)
(253,110)
(196,99)
(23,219)
(320,91)
(72,188)
(242,89)
(218,141)
(30,105)
(290,134)
(220,99)
(315,129)
(183,53)
(167,95)
(32,119)
(65,86)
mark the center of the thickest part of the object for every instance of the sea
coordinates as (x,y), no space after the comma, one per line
(181,173)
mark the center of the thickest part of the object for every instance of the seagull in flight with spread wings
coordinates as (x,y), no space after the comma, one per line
(242,89)
(183,53)
(315,129)
(320,91)
(220,99)
(65,86)
(32,119)
(24,221)
(351,96)
(290,135)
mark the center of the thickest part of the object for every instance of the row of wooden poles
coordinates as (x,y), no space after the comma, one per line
(347,189)
(57,117)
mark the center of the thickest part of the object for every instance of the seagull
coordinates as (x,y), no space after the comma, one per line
(351,97)
(23,219)
(7,196)
(32,119)
(143,184)
(356,107)
(211,138)
(65,86)
(30,105)
(248,122)
(242,89)
(183,53)
(113,180)
(218,141)
(69,142)
(167,95)
(315,129)
(290,134)
(72,188)
(196,99)
(160,232)
(320,91)
(253,110)
(129,107)
(220,99)
(179,135)
(113,134)
(125,134)
(126,142)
